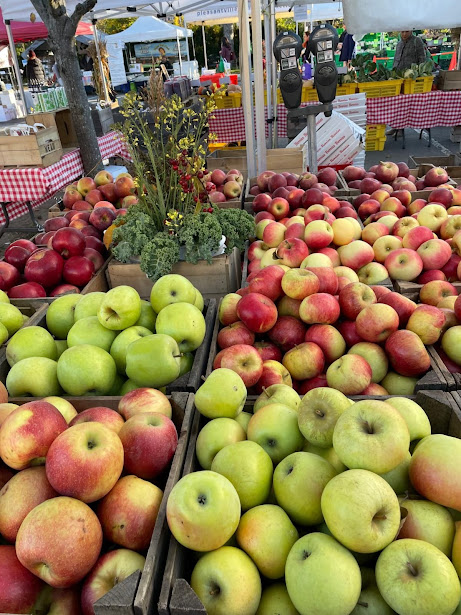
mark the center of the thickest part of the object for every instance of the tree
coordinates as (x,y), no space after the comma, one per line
(113,26)
(61,35)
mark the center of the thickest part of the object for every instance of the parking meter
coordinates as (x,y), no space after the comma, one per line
(322,44)
(287,49)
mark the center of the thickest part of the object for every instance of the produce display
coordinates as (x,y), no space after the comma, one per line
(108,343)
(87,486)
(319,505)
(224,186)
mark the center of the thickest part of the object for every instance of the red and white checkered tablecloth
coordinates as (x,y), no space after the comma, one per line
(38,185)
(427,110)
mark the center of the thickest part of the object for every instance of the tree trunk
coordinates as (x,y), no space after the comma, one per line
(61,33)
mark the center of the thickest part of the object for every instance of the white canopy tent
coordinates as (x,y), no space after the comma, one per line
(149,29)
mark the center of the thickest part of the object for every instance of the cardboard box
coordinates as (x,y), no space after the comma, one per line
(449,80)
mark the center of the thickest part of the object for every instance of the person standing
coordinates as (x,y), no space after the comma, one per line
(347,46)
(410,50)
(226,50)
(35,73)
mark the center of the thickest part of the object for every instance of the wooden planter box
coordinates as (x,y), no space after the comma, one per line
(189,382)
(98,283)
(40,149)
(213,281)
(177,597)
(437,161)
(138,593)
(437,378)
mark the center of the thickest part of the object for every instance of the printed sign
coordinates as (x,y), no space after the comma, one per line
(155,50)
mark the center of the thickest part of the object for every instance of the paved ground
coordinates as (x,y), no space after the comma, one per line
(441,146)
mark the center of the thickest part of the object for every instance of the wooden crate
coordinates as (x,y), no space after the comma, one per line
(213,281)
(40,149)
(437,161)
(227,160)
(138,593)
(189,382)
(412,289)
(176,596)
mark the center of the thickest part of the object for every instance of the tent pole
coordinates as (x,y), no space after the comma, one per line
(258,84)
(247,93)
(267,38)
(16,64)
(179,52)
(193,47)
(204,45)
(274,75)
(187,42)
(101,68)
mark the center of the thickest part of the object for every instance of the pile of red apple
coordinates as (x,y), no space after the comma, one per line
(85,194)
(319,505)
(302,328)
(222,186)
(79,497)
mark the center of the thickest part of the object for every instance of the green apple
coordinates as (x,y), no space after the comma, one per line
(361,510)
(249,468)
(199,302)
(33,377)
(31,342)
(203,510)
(88,305)
(90,331)
(120,308)
(11,317)
(375,357)
(4,297)
(61,345)
(371,435)
(25,318)
(184,322)
(275,428)
(278,394)
(395,384)
(148,316)
(128,386)
(227,582)
(153,361)
(214,436)
(185,363)
(3,333)
(86,370)
(299,481)
(327,453)
(322,577)
(223,394)
(416,578)
(371,602)
(275,600)
(399,478)
(117,385)
(171,288)
(318,413)
(428,521)
(243,419)
(266,533)
(416,419)
(451,343)
(120,344)
(65,407)
(60,315)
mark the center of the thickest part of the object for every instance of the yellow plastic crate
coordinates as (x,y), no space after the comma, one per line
(224,147)
(347,88)
(231,101)
(418,86)
(309,95)
(375,89)
(376,131)
(279,97)
(375,145)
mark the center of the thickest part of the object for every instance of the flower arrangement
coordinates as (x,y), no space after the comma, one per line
(173,216)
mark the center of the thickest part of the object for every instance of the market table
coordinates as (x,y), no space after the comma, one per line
(426,110)
(23,189)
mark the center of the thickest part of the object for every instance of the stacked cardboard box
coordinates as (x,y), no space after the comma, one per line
(10,108)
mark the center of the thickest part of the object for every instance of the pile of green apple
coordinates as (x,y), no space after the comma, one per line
(319,505)
(79,498)
(11,318)
(109,343)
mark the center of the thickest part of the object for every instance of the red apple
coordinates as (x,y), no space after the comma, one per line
(85,185)
(257,312)
(108,192)
(327,176)
(404,171)
(68,242)
(54,224)
(149,440)
(369,185)
(28,290)
(287,332)
(401,304)
(352,173)
(407,354)
(77,224)
(64,289)
(261,202)
(95,243)
(313,196)
(268,282)
(348,330)
(307,180)
(94,196)
(17,257)
(102,217)
(254,190)
(124,186)
(436,177)
(430,275)
(90,231)
(218,177)
(82,206)
(95,257)
(294,198)
(19,588)
(268,351)
(78,270)
(442,196)
(245,361)
(263,179)
(236,333)
(44,267)
(354,298)
(387,172)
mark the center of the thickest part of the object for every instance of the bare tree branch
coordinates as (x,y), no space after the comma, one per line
(42,7)
(80,10)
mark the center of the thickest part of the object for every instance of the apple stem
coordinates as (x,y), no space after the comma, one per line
(203,378)
(265,392)
(412,569)
(364,604)
(319,413)
(177,356)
